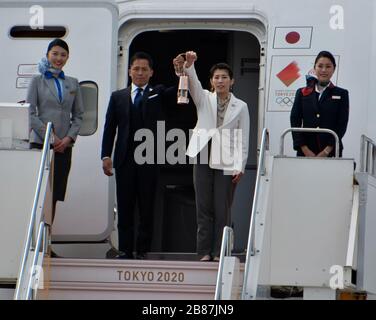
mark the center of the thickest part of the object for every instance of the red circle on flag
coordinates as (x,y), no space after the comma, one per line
(292,37)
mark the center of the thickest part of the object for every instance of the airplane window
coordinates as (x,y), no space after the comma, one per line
(47,32)
(89,91)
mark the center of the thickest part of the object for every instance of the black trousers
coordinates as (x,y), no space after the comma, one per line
(135,184)
(214,193)
(62,165)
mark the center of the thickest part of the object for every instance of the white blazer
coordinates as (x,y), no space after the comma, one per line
(229,148)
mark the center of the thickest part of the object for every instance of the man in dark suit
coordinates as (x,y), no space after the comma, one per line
(137,107)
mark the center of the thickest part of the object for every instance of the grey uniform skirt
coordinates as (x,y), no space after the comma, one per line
(62,165)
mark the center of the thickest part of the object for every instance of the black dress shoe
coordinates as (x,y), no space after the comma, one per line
(141,255)
(125,255)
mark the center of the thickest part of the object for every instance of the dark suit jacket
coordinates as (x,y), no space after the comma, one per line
(118,120)
(330,112)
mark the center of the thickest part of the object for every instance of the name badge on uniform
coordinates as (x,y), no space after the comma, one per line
(336,97)
(153,96)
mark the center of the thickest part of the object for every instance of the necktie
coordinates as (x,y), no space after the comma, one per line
(49,75)
(138,98)
(59,89)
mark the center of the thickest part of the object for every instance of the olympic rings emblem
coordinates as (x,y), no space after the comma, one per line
(285,101)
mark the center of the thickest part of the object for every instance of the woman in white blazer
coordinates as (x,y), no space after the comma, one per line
(220,145)
(55,97)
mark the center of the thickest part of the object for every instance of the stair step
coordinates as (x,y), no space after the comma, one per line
(125,291)
(133,271)
(129,279)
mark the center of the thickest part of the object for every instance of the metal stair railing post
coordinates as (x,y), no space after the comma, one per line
(226,249)
(353,228)
(44,165)
(314,130)
(251,235)
(33,271)
(367,158)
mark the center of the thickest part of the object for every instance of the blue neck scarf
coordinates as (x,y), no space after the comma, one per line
(46,69)
(49,74)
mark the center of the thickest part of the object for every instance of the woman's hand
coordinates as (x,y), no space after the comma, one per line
(178,63)
(325,152)
(307,151)
(56,140)
(190,57)
(236,177)
(62,144)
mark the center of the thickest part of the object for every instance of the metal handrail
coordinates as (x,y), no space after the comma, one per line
(351,244)
(261,171)
(226,248)
(40,239)
(367,154)
(44,165)
(316,130)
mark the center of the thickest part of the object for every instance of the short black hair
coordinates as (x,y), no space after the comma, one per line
(58,42)
(326,54)
(142,55)
(221,66)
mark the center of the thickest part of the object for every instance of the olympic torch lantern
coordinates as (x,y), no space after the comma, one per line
(183,89)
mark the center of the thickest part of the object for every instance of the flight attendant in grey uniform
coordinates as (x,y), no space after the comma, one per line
(222,133)
(55,97)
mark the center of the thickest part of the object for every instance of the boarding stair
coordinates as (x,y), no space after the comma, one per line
(28,271)
(312,224)
(26,203)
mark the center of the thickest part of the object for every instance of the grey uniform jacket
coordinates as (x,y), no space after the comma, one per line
(45,106)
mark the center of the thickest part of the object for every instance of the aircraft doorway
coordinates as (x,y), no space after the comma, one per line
(175,217)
